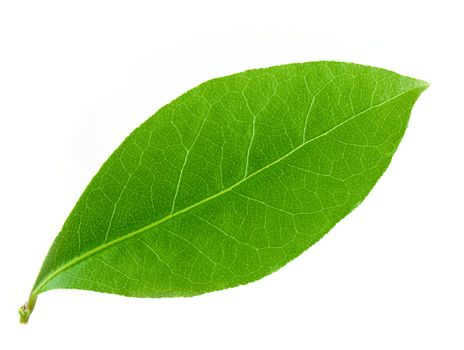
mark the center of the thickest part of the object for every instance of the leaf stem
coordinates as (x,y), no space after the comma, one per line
(26,310)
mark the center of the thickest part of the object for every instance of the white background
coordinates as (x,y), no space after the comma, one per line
(77,77)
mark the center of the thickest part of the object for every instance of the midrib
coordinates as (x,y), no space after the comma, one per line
(107,245)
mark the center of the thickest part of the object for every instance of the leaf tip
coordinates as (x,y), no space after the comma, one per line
(422,84)
(425,84)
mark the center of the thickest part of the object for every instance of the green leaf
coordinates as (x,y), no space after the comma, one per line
(232,180)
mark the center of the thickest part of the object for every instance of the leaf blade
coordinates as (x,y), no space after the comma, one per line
(273,123)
